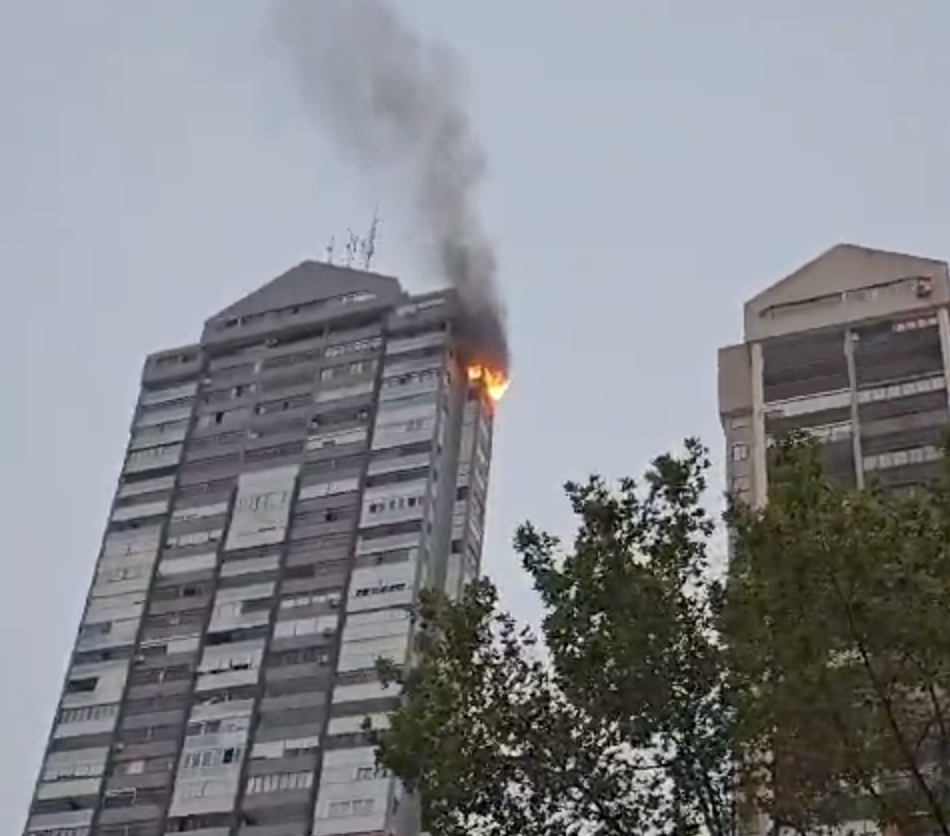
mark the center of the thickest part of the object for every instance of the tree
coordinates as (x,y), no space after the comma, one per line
(616,720)
(812,684)
(836,615)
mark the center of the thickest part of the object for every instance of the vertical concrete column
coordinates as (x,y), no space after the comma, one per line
(850,338)
(759,443)
(943,320)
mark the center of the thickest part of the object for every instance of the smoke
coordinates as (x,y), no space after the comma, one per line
(395,105)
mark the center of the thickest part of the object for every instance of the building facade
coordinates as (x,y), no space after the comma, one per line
(291,481)
(853,347)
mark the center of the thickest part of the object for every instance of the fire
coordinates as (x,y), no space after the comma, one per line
(495,383)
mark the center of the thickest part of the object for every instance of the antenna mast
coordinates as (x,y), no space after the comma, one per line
(358,250)
(351,249)
(368,245)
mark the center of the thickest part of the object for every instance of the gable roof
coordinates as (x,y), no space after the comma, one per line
(824,273)
(310,281)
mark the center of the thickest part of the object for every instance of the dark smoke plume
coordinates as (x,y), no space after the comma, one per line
(395,104)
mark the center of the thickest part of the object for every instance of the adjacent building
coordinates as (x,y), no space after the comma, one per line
(853,347)
(291,481)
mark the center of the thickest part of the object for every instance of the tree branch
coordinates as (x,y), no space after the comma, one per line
(909,758)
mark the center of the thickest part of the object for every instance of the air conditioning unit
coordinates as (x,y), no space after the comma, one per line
(924,287)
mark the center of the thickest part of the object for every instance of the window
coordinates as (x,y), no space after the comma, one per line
(342,349)
(91,712)
(382,589)
(194,538)
(915,324)
(396,503)
(204,758)
(82,686)
(225,725)
(311,600)
(830,432)
(352,298)
(350,807)
(70,771)
(282,782)
(306,626)
(741,422)
(239,662)
(902,458)
(740,452)
(902,390)
(274,452)
(371,773)
(412,378)
(301,656)
(413,425)
(348,370)
(153,456)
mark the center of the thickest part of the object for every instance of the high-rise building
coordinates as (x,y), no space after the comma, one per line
(853,347)
(291,481)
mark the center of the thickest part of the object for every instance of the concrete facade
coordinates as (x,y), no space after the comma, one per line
(853,347)
(292,480)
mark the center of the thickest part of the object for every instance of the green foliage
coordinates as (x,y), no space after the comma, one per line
(836,615)
(811,685)
(618,721)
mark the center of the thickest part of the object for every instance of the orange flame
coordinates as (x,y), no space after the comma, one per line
(495,383)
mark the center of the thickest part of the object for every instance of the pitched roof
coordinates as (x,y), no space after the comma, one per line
(310,281)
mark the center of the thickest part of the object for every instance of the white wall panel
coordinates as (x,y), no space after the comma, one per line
(198,794)
(156,435)
(181,565)
(134,542)
(198,512)
(362,691)
(117,608)
(262,508)
(321,441)
(105,634)
(108,682)
(376,545)
(377,624)
(124,513)
(404,344)
(381,587)
(155,457)
(170,393)
(322,489)
(143,486)
(153,417)
(42,824)
(320,624)
(363,655)
(355,723)
(250,566)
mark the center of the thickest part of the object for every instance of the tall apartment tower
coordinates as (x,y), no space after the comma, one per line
(291,481)
(855,348)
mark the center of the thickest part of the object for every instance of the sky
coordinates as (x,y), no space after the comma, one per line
(653,164)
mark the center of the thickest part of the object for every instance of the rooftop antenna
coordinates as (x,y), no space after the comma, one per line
(351,249)
(368,244)
(358,250)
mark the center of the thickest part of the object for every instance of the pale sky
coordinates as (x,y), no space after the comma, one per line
(653,163)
